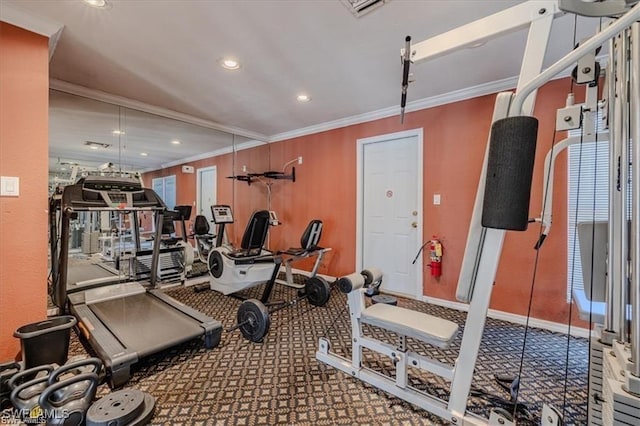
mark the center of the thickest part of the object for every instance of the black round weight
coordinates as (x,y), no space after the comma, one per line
(317,290)
(215,264)
(253,319)
(124,407)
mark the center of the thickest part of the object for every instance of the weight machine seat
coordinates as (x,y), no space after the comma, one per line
(417,325)
(308,241)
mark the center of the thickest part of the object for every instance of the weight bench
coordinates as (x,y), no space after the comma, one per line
(308,247)
(405,323)
(408,323)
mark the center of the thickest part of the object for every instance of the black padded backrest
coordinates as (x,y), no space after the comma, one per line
(311,236)
(167,224)
(201,225)
(256,232)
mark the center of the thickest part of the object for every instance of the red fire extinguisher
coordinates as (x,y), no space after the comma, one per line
(435,254)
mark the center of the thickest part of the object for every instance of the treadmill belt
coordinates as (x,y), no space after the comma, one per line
(145,324)
(91,271)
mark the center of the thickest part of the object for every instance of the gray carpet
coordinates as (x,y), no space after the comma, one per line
(279,380)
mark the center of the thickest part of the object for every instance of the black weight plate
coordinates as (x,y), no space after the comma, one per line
(145,417)
(117,409)
(215,263)
(254,319)
(317,290)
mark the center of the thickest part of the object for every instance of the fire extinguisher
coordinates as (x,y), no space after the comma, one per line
(435,255)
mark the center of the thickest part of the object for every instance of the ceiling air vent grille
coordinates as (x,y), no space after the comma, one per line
(96,145)
(361,7)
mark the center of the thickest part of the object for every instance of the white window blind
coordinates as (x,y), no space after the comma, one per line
(165,187)
(588,199)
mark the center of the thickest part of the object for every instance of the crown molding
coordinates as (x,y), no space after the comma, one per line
(430,102)
(99,95)
(31,22)
(210,154)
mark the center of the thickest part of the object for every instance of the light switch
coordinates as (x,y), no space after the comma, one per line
(9,186)
(436,199)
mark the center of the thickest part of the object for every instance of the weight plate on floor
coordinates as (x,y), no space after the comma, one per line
(117,408)
(215,263)
(253,318)
(317,290)
(384,298)
(145,417)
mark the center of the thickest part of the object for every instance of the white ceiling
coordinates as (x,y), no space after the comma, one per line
(75,120)
(166,53)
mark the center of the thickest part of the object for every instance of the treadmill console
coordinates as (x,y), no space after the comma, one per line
(109,192)
(221,214)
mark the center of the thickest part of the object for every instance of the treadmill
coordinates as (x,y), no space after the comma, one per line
(123,321)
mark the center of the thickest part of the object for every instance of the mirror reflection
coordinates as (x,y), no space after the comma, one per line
(190,167)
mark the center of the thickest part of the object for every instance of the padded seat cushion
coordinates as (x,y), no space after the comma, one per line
(418,325)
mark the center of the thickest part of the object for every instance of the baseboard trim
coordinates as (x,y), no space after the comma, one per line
(513,318)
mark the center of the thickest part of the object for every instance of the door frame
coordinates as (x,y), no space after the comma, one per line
(360,144)
(199,184)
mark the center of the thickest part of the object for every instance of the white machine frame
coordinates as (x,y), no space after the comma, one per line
(237,277)
(484,245)
(238,273)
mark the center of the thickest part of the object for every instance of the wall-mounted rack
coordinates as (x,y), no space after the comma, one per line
(253,177)
(258,177)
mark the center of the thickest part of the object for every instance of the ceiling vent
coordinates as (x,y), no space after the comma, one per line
(362,7)
(96,145)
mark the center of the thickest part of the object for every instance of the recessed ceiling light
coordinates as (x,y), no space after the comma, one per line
(118,132)
(303,98)
(230,64)
(144,154)
(100,4)
(175,142)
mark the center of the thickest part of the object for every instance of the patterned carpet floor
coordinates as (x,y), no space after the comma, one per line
(279,381)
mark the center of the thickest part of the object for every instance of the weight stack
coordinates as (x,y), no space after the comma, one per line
(509,172)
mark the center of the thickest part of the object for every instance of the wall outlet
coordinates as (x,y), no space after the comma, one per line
(436,199)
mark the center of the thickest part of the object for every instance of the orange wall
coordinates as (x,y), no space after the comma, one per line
(24,99)
(455,138)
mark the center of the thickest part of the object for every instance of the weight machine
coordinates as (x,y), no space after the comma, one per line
(497,209)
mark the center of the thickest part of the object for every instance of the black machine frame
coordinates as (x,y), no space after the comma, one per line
(122,322)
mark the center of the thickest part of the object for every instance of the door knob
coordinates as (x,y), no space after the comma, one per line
(414,224)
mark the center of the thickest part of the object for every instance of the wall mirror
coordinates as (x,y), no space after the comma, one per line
(88,135)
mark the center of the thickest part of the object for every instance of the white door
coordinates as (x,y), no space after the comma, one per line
(390,209)
(207,188)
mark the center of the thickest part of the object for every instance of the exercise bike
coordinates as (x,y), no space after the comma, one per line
(233,270)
